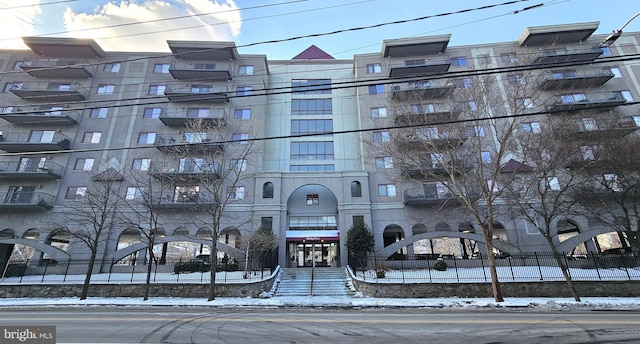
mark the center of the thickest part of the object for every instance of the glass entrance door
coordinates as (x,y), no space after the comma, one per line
(313,254)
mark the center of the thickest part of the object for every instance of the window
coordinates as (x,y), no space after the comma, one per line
(311,86)
(387,190)
(112,67)
(493,186)
(472,106)
(516,79)
(384,162)
(12,86)
(240,138)
(236,192)
(91,137)
(141,164)
(19,64)
(238,164)
(460,61)
(612,182)
(312,168)
(312,199)
(58,86)
(524,103)
(358,219)
(242,114)
(134,192)
(99,113)
(76,192)
(627,95)
(589,124)
(315,150)
(378,112)
(152,113)
(429,133)
(84,164)
(198,112)
(381,136)
(573,98)
(531,128)
(266,223)
(617,73)
(509,57)
(545,155)
(243,91)
(475,131)
(374,68)
(267,190)
(606,51)
(563,74)
(245,70)
(196,88)
(463,83)
(376,89)
(550,184)
(636,120)
(161,68)
(311,107)
(194,137)
(6,109)
(356,189)
(485,157)
(157,90)
(41,136)
(210,66)
(311,126)
(148,137)
(589,152)
(106,89)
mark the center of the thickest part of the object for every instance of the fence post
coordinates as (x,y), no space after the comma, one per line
(44,273)
(513,276)
(566,264)
(174,269)
(595,263)
(133,270)
(484,271)
(429,270)
(455,266)
(25,270)
(402,270)
(110,269)
(155,270)
(538,263)
(624,263)
(64,279)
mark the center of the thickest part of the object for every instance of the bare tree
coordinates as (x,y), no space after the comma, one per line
(259,244)
(94,215)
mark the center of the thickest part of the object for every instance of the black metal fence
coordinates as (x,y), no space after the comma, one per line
(39,271)
(525,267)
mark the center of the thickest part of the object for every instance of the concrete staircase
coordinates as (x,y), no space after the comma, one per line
(326,282)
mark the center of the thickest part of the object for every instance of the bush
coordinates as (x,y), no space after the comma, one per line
(191,266)
(440,266)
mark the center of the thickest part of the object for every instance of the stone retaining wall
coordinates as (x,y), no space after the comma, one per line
(135,290)
(512,289)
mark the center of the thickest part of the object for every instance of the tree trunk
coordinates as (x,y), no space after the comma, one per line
(147,285)
(495,284)
(214,267)
(564,268)
(87,278)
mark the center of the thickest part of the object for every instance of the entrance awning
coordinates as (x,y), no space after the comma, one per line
(313,236)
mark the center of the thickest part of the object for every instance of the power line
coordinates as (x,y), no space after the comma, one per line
(33,5)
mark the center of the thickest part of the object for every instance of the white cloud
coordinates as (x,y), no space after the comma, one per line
(151,35)
(17,22)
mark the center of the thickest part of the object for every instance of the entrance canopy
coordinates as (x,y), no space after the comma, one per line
(313,236)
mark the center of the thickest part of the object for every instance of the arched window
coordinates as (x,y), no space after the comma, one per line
(356,189)
(267,190)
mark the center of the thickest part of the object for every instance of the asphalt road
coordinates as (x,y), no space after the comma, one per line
(371,326)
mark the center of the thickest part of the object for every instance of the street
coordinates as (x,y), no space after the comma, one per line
(277,325)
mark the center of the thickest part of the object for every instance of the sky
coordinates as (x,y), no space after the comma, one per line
(146,25)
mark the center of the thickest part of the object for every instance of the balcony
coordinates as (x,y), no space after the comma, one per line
(26,200)
(435,169)
(422,90)
(203,50)
(435,194)
(64,47)
(557,34)
(430,113)
(189,143)
(420,67)
(442,142)
(185,171)
(183,70)
(30,169)
(570,78)
(35,141)
(567,55)
(208,117)
(183,201)
(581,101)
(415,46)
(594,132)
(42,116)
(49,91)
(218,94)
(60,69)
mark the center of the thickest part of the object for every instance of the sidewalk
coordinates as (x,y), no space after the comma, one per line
(337,302)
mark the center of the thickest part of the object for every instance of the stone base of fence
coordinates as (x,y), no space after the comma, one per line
(187,290)
(511,289)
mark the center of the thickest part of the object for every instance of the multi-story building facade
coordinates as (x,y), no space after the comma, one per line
(317,126)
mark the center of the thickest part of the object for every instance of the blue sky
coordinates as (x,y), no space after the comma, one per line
(251,21)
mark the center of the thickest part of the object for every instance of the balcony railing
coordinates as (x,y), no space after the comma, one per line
(193,201)
(422,90)
(38,116)
(568,55)
(436,169)
(428,195)
(60,69)
(432,65)
(211,117)
(570,78)
(580,101)
(185,171)
(428,113)
(186,144)
(27,200)
(197,70)
(213,94)
(595,131)
(32,169)
(49,91)
(34,141)
(413,142)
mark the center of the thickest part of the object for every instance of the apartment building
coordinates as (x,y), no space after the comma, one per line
(310,137)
